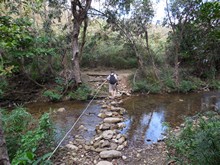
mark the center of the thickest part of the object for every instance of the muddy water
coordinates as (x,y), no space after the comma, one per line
(145,115)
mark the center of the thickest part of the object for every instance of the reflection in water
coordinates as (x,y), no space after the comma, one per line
(145,117)
(147,114)
(63,121)
(156,126)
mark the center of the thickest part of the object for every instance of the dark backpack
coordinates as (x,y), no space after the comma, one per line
(112,79)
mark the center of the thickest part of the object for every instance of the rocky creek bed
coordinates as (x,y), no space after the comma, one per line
(109,146)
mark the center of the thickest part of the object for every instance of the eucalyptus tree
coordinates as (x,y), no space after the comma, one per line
(194,36)
(131,19)
(80,14)
(177,17)
(200,44)
(207,52)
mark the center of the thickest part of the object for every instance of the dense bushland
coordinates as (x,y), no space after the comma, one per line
(37,46)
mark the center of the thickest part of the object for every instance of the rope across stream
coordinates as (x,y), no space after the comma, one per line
(97,91)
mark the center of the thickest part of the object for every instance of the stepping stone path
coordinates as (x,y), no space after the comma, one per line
(108,146)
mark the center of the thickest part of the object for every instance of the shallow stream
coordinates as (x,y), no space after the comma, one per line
(146,115)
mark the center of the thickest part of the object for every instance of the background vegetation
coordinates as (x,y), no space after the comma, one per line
(183,56)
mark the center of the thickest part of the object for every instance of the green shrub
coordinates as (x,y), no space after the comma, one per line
(197,82)
(25,137)
(155,88)
(169,83)
(143,86)
(15,125)
(82,93)
(33,139)
(140,86)
(186,86)
(52,95)
(167,79)
(1,93)
(197,143)
(215,84)
(60,81)
(3,86)
(30,158)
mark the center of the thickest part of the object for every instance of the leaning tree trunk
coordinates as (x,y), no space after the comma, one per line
(140,60)
(4,159)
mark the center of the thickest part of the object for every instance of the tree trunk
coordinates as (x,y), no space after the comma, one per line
(83,37)
(50,64)
(76,67)
(146,39)
(79,11)
(139,58)
(4,159)
(176,43)
(176,67)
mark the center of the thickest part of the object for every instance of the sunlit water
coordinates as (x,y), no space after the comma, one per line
(146,115)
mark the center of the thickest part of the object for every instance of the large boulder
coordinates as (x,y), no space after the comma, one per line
(104,126)
(110,154)
(112,120)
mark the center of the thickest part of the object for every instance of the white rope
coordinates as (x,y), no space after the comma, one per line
(97,90)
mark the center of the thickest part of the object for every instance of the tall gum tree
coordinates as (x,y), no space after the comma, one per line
(193,39)
(79,10)
(131,19)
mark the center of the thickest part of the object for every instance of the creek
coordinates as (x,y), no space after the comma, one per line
(145,117)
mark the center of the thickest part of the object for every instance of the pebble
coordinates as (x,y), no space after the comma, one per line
(124,157)
(72,147)
(104,163)
(61,110)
